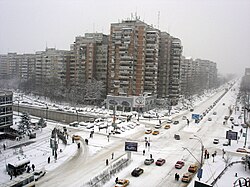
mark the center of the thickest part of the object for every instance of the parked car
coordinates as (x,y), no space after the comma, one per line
(38,174)
(137,172)
(160,162)
(241,150)
(193,168)
(216,141)
(179,164)
(186,177)
(244,125)
(226,118)
(214,113)
(148,161)
(155,132)
(122,183)
(74,124)
(209,119)
(184,117)
(231,118)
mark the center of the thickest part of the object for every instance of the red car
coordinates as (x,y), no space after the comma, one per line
(160,162)
(179,164)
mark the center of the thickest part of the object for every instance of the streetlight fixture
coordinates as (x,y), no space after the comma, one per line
(202,150)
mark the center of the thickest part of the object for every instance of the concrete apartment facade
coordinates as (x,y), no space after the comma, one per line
(132,58)
(51,63)
(6,112)
(89,59)
(197,75)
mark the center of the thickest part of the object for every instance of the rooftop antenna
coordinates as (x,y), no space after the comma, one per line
(158,21)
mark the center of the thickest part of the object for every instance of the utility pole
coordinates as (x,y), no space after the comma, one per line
(246,108)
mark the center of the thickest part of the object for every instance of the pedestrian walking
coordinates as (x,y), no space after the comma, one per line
(48,160)
(112,156)
(177,177)
(10,173)
(241,131)
(116,180)
(28,169)
(151,156)
(207,155)
(86,141)
(146,144)
(143,152)
(4,146)
(33,167)
(107,162)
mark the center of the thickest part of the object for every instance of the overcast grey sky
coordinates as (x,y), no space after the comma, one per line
(217,30)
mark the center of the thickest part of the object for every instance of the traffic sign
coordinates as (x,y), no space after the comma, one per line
(196,116)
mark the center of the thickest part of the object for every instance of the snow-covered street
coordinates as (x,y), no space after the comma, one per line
(79,166)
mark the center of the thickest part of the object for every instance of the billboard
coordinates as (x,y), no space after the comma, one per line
(231,135)
(139,101)
(196,116)
(131,146)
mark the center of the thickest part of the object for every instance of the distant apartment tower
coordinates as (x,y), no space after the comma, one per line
(19,66)
(51,64)
(175,62)
(4,67)
(6,112)
(164,65)
(132,58)
(90,54)
(197,75)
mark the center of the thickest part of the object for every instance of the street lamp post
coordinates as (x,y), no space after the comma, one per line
(77,116)
(47,112)
(202,150)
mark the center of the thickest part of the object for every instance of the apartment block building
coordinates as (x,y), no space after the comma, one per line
(89,59)
(132,58)
(6,112)
(197,75)
(19,66)
(174,73)
(51,63)
(164,65)
(4,67)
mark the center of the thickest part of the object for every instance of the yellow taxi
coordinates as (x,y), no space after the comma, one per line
(122,183)
(186,177)
(148,131)
(167,126)
(193,168)
(155,132)
(76,137)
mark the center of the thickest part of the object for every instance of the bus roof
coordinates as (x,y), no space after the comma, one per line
(20,162)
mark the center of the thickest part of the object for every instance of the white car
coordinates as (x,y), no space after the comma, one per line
(157,126)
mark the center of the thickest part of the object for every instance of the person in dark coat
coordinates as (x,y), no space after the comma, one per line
(116,180)
(177,177)
(107,162)
(48,160)
(33,167)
